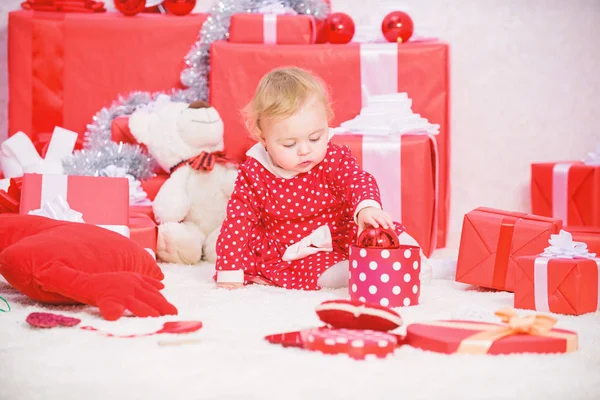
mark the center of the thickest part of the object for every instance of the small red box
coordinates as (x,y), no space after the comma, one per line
(558,285)
(389,277)
(569,191)
(492,239)
(272,29)
(469,337)
(101,200)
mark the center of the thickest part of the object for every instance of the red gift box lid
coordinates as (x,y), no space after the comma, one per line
(470,337)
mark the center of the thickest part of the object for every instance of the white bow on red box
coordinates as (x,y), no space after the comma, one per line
(18,155)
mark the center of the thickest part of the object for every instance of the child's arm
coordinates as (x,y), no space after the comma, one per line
(232,244)
(357,186)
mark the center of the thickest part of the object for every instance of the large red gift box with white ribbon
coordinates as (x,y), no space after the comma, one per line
(350,72)
(65,67)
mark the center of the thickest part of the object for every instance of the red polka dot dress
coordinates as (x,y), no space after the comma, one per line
(267,213)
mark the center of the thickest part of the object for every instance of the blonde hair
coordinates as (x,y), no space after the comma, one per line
(280,94)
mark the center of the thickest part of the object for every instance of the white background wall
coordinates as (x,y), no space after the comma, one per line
(525,83)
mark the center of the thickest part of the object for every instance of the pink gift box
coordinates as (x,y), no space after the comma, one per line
(389,277)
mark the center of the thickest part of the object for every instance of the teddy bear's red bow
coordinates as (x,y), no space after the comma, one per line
(204,161)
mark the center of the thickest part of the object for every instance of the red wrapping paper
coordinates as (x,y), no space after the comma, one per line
(65,67)
(101,200)
(143,231)
(571,285)
(423,72)
(582,197)
(290,29)
(491,240)
(587,234)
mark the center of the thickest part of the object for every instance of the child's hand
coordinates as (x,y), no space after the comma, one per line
(230,285)
(373,216)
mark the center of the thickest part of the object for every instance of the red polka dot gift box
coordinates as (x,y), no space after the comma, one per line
(358,344)
(385,276)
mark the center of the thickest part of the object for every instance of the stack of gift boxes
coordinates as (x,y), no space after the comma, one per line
(35,184)
(548,258)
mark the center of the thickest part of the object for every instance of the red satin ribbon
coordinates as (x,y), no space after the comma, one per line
(204,161)
(47,64)
(507,230)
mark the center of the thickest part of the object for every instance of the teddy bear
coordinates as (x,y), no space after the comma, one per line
(186,140)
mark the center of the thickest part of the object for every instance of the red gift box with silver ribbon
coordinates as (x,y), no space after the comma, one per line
(386,275)
(564,279)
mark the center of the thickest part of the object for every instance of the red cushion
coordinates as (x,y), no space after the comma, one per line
(354,314)
(30,245)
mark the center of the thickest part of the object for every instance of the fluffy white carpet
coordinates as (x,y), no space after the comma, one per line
(232,361)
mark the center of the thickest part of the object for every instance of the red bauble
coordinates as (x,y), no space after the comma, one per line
(397,26)
(340,28)
(378,238)
(179,7)
(130,7)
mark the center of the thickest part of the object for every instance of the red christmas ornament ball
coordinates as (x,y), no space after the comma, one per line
(130,7)
(379,238)
(397,26)
(340,28)
(179,7)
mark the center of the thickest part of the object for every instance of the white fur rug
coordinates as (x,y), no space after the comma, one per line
(232,361)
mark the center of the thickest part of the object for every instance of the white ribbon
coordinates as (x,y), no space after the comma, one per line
(561,246)
(318,240)
(58,209)
(137,196)
(18,154)
(378,69)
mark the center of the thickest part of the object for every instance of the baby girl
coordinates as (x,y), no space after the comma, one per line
(299,200)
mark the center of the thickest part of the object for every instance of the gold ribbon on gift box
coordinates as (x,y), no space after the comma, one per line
(487,335)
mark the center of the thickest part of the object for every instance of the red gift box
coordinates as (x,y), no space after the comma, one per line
(389,277)
(358,344)
(409,188)
(587,234)
(272,29)
(65,67)
(563,279)
(143,231)
(491,240)
(102,201)
(533,335)
(422,70)
(569,191)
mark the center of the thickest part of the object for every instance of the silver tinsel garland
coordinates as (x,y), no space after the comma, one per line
(100,151)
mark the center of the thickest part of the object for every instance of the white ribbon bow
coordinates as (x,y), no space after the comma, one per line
(137,196)
(318,240)
(563,246)
(58,209)
(593,158)
(277,8)
(18,154)
(388,114)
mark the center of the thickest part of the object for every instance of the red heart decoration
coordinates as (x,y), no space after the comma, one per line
(181,327)
(48,320)
(379,238)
